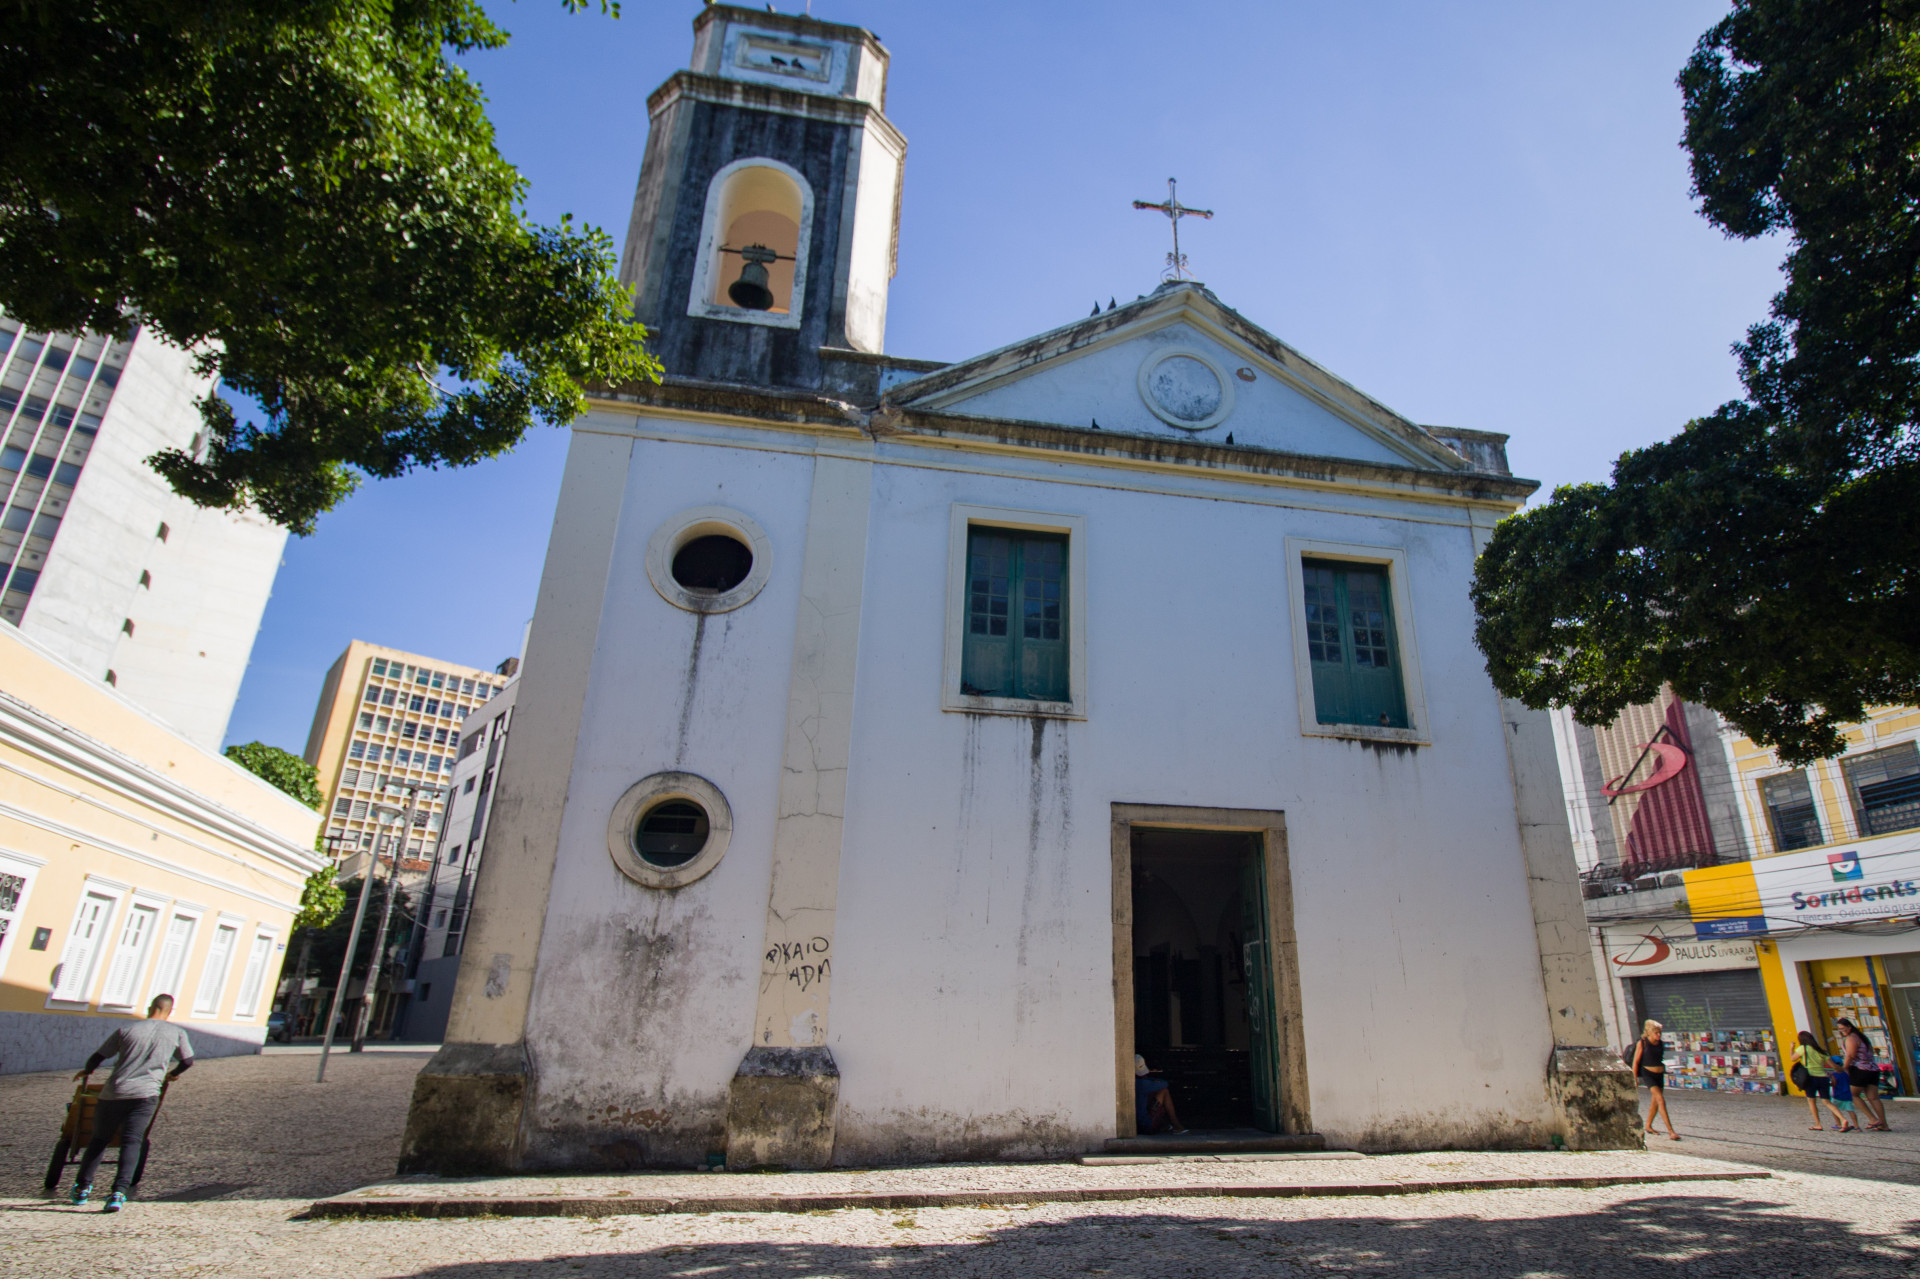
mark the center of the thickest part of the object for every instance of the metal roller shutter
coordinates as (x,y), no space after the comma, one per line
(1706,1001)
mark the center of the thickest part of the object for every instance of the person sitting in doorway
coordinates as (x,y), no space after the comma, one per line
(1153,1101)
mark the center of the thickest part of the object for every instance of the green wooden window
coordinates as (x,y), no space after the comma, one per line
(1016,636)
(1350,645)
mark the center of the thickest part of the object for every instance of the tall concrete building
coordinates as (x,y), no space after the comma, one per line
(388,718)
(103,563)
(440,922)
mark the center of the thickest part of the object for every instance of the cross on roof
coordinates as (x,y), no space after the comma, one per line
(1176,260)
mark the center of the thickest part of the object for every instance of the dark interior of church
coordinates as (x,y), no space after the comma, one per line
(1189,991)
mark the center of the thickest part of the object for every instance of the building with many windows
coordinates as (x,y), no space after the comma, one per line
(387,719)
(100,560)
(133,862)
(440,924)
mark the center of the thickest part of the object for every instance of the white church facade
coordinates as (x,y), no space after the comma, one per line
(903,748)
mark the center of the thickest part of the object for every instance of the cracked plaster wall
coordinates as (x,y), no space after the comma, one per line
(972,1009)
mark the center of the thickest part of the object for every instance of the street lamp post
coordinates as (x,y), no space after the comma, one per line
(374,964)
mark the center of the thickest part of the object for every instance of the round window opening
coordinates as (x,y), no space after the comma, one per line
(671,834)
(713,564)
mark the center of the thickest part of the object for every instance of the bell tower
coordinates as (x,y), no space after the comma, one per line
(766,222)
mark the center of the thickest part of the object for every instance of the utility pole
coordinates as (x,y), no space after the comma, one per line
(346,963)
(376,962)
(297,1000)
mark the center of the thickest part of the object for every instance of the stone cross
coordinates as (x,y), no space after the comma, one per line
(1176,260)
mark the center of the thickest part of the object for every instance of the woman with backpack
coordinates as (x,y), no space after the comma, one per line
(1863,1072)
(1649,1062)
(1810,1076)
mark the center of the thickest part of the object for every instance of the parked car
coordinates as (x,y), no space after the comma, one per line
(278,1027)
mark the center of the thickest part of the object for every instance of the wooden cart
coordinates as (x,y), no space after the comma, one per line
(76,1131)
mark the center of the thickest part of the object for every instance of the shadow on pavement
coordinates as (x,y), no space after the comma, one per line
(1660,1236)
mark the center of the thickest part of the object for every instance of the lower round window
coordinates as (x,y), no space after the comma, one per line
(712,564)
(669,829)
(672,833)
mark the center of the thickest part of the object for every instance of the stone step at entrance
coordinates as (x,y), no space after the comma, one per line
(1218,1141)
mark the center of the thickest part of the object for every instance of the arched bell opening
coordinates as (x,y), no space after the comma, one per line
(758,213)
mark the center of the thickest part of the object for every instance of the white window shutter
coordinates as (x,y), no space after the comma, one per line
(76,962)
(213,979)
(123,977)
(250,981)
(173,957)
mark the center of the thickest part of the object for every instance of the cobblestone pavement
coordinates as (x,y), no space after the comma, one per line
(246,1143)
(1774,1132)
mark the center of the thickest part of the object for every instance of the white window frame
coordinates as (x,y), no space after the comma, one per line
(1406,640)
(699,303)
(239,925)
(252,1010)
(193,913)
(115,893)
(966,516)
(138,901)
(28,868)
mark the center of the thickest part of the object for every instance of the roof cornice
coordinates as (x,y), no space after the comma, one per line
(697,86)
(791,409)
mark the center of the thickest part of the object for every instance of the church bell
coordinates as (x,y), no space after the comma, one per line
(750,290)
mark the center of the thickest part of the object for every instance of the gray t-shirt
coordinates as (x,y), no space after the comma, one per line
(146,1049)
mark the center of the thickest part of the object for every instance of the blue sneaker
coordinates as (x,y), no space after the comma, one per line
(115,1202)
(80,1194)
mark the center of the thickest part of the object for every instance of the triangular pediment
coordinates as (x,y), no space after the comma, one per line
(1178,363)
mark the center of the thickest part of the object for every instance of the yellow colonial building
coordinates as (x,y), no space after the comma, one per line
(132,863)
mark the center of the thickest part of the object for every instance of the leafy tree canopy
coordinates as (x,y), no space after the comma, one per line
(330,939)
(321,900)
(306,194)
(289,772)
(1763,562)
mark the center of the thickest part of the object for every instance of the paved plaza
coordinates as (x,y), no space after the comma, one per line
(246,1145)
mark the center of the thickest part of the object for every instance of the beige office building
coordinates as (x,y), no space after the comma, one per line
(388,719)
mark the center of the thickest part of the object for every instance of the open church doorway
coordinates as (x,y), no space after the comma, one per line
(1206,988)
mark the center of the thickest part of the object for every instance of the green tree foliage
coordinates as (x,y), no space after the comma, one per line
(289,772)
(321,900)
(1763,562)
(305,193)
(330,940)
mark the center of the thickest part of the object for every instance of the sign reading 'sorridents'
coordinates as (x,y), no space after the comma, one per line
(1874,879)
(1656,948)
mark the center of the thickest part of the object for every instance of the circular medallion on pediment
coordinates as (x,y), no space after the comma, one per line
(1186,389)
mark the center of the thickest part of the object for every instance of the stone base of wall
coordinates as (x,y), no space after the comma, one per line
(64,1041)
(1594,1093)
(781,1109)
(468,1103)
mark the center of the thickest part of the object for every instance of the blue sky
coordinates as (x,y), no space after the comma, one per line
(1477,213)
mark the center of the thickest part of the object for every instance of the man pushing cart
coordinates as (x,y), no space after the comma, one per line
(132,1094)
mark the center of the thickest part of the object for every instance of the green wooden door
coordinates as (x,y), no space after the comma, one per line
(1256,957)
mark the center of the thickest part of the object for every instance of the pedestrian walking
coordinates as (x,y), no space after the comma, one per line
(131,1096)
(1650,1068)
(1811,1076)
(1863,1072)
(1842,1096)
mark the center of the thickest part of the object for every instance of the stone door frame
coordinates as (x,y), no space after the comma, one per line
(1284,950)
